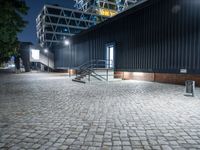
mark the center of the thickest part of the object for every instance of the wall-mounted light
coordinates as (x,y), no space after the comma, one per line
(138,73)
(128,75)
(66,42)
(133,75)
(46,50)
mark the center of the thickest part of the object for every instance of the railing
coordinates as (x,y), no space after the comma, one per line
(88,69)
(92,64)
(98,63)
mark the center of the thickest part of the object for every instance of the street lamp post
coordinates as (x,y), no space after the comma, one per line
(47,52)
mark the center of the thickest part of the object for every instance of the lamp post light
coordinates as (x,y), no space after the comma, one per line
(67,43)
(47,52)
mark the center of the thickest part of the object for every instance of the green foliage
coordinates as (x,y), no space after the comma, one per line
(11,23)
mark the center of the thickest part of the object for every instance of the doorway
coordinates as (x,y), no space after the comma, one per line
(110,55)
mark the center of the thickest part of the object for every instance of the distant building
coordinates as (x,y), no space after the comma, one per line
(55,24)
(33,58)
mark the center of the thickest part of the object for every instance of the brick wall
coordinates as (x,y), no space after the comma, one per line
(176,78)
(158,77)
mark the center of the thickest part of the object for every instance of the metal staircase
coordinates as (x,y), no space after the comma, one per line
(89,68)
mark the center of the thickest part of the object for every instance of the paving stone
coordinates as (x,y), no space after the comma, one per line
(116,148)
(61,140)
(36,146)
(127,148)
(117,143)
(63,147)
(69,141)
(166,147)
(2,144)
(107,143)
(92,148)
(49,111)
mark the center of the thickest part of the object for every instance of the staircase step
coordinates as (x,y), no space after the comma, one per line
(76,80)
(80,77)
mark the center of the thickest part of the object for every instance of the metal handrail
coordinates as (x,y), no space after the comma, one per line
(83,68)
(89,67)
(96,62)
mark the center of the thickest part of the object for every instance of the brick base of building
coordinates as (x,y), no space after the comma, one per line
(70,71)
(158,77)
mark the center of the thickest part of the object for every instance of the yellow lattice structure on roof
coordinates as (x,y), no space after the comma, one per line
(106,8)
(107,12)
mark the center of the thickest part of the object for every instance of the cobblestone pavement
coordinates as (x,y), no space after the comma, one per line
(48,111)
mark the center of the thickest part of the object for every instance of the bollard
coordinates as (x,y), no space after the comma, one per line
(190,87)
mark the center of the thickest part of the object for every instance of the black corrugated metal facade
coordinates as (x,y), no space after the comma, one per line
(156,36)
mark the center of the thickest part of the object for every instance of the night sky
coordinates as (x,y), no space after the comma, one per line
(29,33)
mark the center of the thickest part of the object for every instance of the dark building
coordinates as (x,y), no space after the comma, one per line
(157,40)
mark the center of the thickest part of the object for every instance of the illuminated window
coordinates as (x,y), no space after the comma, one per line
(35,54)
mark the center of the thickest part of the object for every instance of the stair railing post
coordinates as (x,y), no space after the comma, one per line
(107,74)
(68,71)
(89,77)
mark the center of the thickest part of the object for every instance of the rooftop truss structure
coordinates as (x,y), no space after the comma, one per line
(55,23)
(104,7)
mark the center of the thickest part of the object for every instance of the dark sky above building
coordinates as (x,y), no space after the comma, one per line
(29,33)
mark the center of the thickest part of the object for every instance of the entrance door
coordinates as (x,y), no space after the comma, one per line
(110,56)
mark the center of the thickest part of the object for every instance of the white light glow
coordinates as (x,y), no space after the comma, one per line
(138,73)
(66,42)
(35,54)
(46,50)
